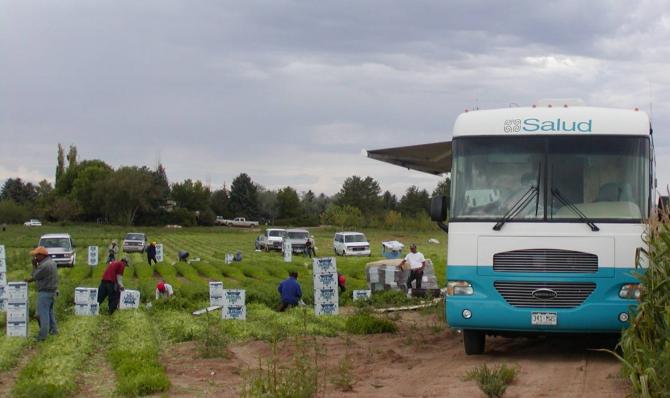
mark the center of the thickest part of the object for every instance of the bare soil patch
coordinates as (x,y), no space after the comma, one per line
(423,359)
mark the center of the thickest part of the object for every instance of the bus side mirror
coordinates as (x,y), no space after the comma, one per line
(641,258)
(438,208)
(438,211)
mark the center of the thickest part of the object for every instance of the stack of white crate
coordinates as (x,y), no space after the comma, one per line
(326,294)
(130,299)
(3,277)
(86,301)
(16,294)
(215,294)
(234,304)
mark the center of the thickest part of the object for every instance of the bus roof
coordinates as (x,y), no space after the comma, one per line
(552,121)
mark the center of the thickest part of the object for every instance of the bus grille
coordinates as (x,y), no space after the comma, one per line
(545,294)
(545,260)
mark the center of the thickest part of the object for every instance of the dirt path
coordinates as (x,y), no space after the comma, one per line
(422,360)
(8,377)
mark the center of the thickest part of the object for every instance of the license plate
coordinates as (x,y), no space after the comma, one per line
(543,318)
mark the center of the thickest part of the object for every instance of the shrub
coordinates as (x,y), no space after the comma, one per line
(13,213)
(492,381)
(645,345)
(365,322)
(213,341)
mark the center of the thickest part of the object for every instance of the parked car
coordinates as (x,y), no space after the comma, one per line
(271,239)
(298,238)
(33,223)
(60,248)
(351,244)
(236,222)
(134,242)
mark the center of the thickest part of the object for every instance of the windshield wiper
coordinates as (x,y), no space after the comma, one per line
(566,202)
(523,202)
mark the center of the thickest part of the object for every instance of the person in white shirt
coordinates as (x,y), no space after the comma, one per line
(164,290)
(416,262)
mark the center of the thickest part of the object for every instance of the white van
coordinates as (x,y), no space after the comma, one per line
(351,244)
(60,248)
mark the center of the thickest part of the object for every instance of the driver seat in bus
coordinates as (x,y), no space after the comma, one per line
(614,192)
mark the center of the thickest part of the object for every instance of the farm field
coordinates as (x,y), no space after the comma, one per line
(165,351)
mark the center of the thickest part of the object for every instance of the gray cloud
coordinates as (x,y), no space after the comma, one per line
(291,91)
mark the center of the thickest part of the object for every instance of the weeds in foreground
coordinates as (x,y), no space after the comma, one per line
(214,342)
(492,381)
(343,376)
(301,377)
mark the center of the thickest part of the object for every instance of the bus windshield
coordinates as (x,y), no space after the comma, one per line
(604,177)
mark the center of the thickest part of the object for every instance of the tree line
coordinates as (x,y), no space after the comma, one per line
(93,191)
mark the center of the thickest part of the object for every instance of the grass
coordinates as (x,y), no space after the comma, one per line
(365,322)
(134,336)
(492,381)
(134,355)
(53,371)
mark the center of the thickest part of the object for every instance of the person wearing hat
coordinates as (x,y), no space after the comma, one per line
(111,284)
(164,290)
(417,263)
(113,251)
(151,253)
(45,276)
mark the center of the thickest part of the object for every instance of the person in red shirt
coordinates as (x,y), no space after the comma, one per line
(111,284)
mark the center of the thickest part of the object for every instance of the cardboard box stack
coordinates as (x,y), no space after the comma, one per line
(130,299)
(3,278)
(93,256)
(387,275)
(215,294)
(86,301)
(234,304)
(326,292)
(16,295)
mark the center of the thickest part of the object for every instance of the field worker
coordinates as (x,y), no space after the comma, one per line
(164,290)
(45,276)
(113,251)
(111,284)
(341,282)
(151,253)
(290,292)
(416,263)
(309,248)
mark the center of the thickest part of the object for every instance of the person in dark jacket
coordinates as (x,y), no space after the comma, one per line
(45,276)
(290,292)
(151,253)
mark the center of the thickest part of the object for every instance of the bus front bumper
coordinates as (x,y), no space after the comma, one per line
(603,311)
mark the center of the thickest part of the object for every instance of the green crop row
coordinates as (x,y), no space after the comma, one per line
(53,371)
(11,348)
(134,355)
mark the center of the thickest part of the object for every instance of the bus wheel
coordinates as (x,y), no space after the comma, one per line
(474,342)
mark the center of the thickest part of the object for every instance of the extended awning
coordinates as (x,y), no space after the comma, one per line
(432,158)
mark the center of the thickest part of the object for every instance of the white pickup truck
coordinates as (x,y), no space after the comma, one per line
(236,222)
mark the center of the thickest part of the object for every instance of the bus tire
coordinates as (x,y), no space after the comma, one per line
(474,342)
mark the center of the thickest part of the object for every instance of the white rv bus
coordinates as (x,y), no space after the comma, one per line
(545,220)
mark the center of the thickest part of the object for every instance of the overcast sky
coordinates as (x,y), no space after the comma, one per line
(290,92)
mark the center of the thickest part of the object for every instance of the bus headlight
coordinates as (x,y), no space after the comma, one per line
(631,291)
(459,288)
